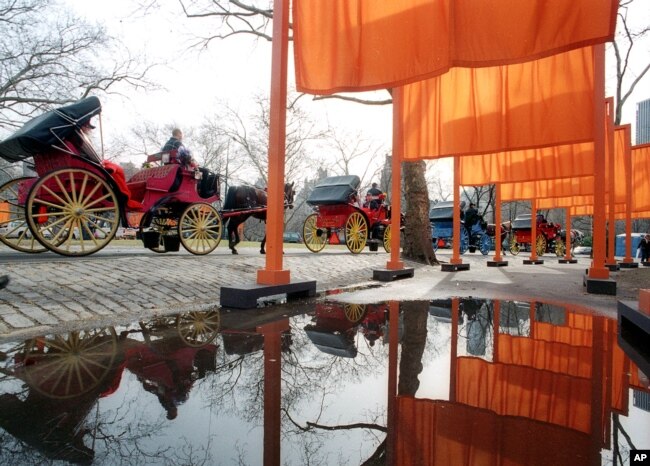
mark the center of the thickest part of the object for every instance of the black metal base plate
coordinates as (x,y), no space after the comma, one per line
(613,267)
(568,261)
(533,262)
(387,275)
(454,267)
(629,265)
(497,263)
(645,264)
(600,286)
(246,296)
(633,333)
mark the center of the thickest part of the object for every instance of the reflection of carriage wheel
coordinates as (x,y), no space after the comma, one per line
(514,246)
(356,232)
(464,241)
(559,248)
(386,240)
(71,365)
(198,328)
(313,237)
(200,228)
(485,244)
(67,208)
(354,312)
(18,235)
(540,245)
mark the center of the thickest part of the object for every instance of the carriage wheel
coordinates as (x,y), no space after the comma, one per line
(356,232)
(540,245)
(200,228)
(559,248)
(18,235)
(163,226)
(387,235)
(67,366)
(198,328)
(72,212)
(354,312)
(464,240)
(485,244)
(314,238)
(514,246)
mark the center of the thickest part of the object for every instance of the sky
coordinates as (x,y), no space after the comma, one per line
(234,70)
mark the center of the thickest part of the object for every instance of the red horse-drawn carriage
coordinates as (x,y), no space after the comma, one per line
(549,238)
(337,208)
(77,202)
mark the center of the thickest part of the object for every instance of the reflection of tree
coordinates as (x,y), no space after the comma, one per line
(416,314)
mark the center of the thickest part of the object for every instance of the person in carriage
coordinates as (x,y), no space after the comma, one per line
(184,158)
(374,197)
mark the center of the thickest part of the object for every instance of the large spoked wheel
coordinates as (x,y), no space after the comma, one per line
(514,246)
(354,312)
(387,236)
(560,249)
(200,228)
(540,245)
(356,232)
(17,234)
(199,328)
(67,366)
(314,238)
(464,241)
(485,244)
(72,212)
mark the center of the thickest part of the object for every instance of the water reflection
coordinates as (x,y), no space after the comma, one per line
(455,381)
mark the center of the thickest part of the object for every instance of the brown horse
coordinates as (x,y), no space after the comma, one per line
(252,202)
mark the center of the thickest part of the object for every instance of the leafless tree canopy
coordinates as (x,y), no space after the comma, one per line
(50,57)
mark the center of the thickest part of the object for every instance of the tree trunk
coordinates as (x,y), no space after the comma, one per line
(417,233)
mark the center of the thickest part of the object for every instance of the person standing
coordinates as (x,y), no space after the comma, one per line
(644,247)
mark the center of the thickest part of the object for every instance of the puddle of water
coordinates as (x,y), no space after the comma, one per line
(455,381)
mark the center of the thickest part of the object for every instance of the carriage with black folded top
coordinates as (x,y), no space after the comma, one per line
(338,208)
(77,201)
(549,236)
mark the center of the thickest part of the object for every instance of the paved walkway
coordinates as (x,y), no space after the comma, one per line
(116,285)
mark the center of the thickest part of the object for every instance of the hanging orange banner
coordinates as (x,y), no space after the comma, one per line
(355,45)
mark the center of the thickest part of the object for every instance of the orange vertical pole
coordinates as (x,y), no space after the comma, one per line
(533,230)
(273,273)
(628,194)
(497,220)
(598,269)
(567,246)
(393,350)
(455,256)
(611,217)
(396,185)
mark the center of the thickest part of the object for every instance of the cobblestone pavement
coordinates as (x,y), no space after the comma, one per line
(120,284)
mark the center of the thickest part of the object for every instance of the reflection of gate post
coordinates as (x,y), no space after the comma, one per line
(272,389)
(393,342)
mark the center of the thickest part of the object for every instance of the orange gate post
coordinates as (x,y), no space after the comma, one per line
(456,263)
(497,262)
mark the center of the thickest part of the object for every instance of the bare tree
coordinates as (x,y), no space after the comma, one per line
(354,151)
(49,57)
(628,36)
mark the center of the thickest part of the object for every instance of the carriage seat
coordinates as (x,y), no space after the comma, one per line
(117,173)
(166,178)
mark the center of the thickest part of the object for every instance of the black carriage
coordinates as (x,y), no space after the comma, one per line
(478,236)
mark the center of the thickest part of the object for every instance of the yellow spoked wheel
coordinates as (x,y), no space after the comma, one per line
(560,249)
(356,232)
(386,240)
(16,233)
(540,245)
(199,328)
(200,228)
(354,312)
(72,212)
(514,246)
(67,366)
(314,238)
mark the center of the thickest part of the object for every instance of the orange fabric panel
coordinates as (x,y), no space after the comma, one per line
(542,189)
(523,391)
(470,111)
(641,178)
(560,161)
(354,45)
(432,433)
(551,356)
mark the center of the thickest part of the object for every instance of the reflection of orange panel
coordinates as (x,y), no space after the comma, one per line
(552,356)
(523,391)
(575,336)
(440,432)
(4,212)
